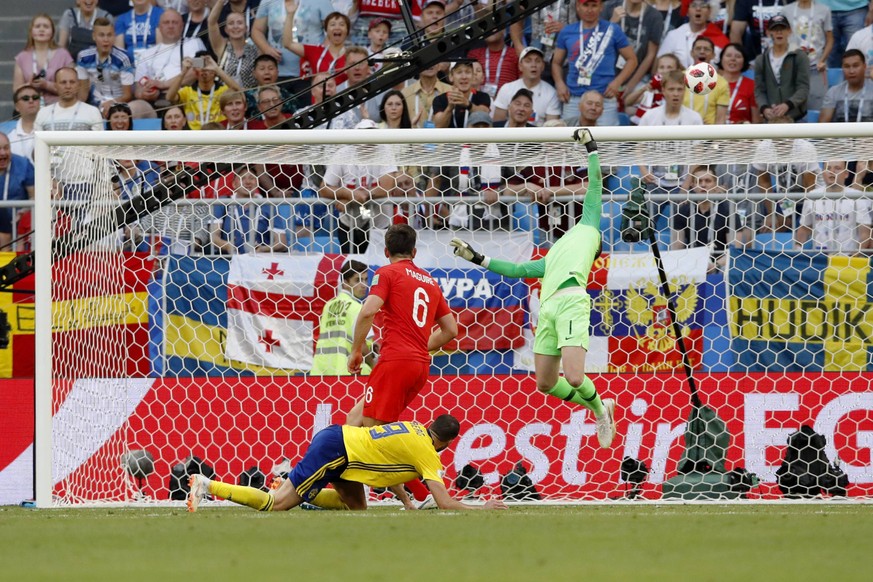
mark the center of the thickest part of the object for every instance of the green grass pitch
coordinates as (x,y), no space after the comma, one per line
(579,543)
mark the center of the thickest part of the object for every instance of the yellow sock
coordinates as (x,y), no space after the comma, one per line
(329,499)
(249,496)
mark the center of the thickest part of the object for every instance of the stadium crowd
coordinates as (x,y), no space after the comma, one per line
(251,65)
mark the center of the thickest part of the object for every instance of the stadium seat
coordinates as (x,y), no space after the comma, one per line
(774,241)
(623,119)
(812,116)
(147,124)
(750,73)
(8,126)
(835,77)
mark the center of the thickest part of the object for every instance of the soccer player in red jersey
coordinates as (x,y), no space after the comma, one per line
(411,302)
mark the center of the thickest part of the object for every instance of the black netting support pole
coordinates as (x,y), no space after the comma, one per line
(671,311)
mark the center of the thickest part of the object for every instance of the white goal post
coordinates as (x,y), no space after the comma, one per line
(142,346)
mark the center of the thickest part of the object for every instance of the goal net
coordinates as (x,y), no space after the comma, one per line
(181,279)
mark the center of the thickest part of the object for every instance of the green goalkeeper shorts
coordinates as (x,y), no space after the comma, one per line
(564,321)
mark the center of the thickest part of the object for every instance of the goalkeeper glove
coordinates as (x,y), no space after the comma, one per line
(466,252)
(584,137)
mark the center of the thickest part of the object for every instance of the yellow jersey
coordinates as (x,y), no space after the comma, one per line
(390,454)
(706,105)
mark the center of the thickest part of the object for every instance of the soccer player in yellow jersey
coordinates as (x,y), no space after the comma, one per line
(565,311)
(350,457)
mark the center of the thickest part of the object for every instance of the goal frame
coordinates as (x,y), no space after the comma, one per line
(42,237)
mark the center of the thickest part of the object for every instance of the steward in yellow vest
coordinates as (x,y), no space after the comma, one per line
(337,325)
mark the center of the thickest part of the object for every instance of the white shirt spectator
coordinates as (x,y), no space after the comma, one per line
(834,222)
(357,176)
(786,173)
(162,62)
(70,169)
(679,41)
(545,99)
(658,116)
(21,142)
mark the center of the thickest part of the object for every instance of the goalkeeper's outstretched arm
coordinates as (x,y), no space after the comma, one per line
(527,270)
(592,208)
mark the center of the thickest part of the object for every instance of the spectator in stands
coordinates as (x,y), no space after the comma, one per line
(74,175)
(361,192)
(545,24)
(704,222)
(248,8)
(648,95)
(452,108)
(327,57)
(377,34)
(270,107)
(74,29)
(180,6)
(139,29)
(393,111)
(679,40)
(812,33)
(69,113)
(161,64)
(241,227)
(26,101)
(517,180)
(199,107)
(751,24)
(195,24)
(713,106)
(499,63)
(16,179)
(848,18)
(742,107)
(324,86)
(358,71)
(668,179)
(556,213)
(105,71)
(41,58)
(134,178)
(836,223)
(174,119)
(590,110)
(781,177)
(420,95)
(233,106)
(851,100)
(267,75)
(376,11)
(671,13)
(591,49)
(119,117)
(546,103)
(432,14)
(781,75)
(234,54)
(643,26)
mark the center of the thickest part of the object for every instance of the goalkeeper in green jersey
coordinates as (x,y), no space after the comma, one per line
(565,308)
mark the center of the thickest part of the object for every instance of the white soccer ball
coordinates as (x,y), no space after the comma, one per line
(701,78)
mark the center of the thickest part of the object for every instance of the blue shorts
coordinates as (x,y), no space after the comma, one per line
(324,461)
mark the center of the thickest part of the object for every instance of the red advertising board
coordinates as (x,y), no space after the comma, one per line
(234,424)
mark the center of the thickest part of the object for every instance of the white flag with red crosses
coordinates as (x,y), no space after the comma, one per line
(273,306)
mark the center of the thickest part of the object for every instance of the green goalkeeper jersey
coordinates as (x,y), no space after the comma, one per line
(570,260)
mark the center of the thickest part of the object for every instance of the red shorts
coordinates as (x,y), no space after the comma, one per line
(392,386)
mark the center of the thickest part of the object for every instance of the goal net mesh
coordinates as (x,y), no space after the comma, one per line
(188,283)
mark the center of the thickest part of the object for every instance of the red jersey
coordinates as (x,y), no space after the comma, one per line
(384,8)
(742,101)
(413,302)
(321,61)
(500,67)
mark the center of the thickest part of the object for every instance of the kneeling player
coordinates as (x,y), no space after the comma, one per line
(349,457)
